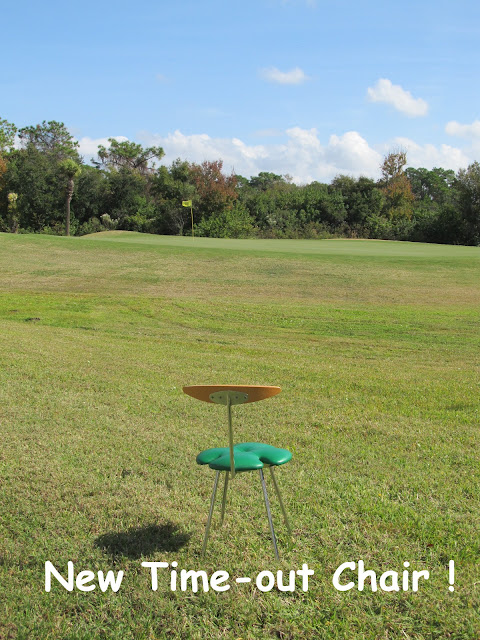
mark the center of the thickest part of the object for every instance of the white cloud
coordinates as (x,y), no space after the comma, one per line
(353,154)
(298,152)
(295,76)
(470,132)
(301,154)
(454,128)
(199,147)
(429,156)
(89,146)
(394,94)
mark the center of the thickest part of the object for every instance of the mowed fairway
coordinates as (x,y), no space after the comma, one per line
(376,348)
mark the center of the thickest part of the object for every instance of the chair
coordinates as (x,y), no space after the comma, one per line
(248,456)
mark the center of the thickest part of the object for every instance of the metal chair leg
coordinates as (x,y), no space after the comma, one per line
(209,521)
(269,515)
(225,487)
(277,490)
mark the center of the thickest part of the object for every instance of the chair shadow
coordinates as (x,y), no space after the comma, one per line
(141,541)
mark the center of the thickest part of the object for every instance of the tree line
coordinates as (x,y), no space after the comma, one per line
(46,187)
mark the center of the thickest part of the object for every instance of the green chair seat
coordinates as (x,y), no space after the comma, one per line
(249,456)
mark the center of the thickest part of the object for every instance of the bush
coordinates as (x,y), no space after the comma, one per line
(93,225)
(230,223)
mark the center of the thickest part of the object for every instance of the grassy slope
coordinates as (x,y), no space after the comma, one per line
(375,345)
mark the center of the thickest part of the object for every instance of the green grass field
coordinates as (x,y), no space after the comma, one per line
(376,347)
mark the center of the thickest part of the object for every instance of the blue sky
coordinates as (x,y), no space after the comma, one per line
(311,88)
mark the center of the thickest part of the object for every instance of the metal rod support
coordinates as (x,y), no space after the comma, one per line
(277,490)
(209,521)
(269,515)
(225,487)
(230,435)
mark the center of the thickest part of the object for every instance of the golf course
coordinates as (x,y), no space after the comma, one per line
(375,345)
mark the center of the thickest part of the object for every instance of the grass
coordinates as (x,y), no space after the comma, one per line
(375,345)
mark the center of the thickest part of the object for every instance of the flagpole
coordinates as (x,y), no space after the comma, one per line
(189,203)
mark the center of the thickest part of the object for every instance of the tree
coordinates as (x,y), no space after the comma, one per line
(8,132)
(51,138)
(90,193)
(129,179)
(393,164)
(129,155)
(169,187)
(69,169)
(468,183)
(7,139)
(125,195)
(34,173)
(362,198)
(265,180)
(434,187)
(35,177)
(396,186)
(216,191)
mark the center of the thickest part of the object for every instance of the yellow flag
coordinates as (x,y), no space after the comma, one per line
(186,203)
